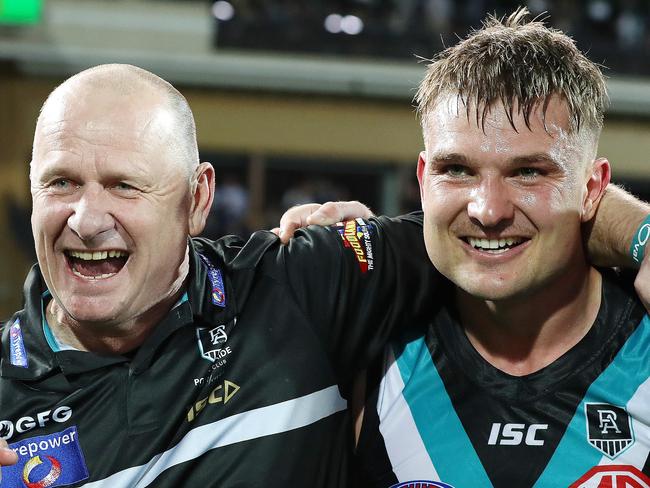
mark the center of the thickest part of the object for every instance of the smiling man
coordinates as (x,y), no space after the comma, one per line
(115,196)
(535,369)
(145,357)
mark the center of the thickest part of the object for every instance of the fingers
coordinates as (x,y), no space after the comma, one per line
(7,456)
(332,212)
(317,214)
(642,283)
(295,218)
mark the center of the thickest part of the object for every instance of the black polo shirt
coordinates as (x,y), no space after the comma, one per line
(242,384)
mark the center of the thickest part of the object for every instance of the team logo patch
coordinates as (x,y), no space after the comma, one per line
(212,342)
(613,477)
(609,428)
(17,353)
(48,460)
(422,484)
(218,294)
(356,235)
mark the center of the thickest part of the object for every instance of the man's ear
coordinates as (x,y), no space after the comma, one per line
(202,196)
(422,163)
(596,184)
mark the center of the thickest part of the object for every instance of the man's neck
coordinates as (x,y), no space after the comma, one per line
(109,338)
(522,335)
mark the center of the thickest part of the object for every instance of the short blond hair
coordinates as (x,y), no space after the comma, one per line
(520,64)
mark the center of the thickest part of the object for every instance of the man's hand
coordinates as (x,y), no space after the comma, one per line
(7,456)
(642,283)
(316,214)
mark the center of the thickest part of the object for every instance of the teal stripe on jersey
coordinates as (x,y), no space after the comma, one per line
(444,437)
(616,385)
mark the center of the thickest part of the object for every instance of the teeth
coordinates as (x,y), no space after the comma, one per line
(494,244)
(98,277)
(96,255)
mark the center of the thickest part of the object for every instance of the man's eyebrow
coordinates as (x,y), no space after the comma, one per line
(52,171)
(536,158)
(449,158)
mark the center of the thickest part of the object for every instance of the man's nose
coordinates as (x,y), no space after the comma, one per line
(490,203)
(91,214)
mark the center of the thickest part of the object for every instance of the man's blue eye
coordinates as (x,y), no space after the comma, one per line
(529,172)
(456,170)
(61,184)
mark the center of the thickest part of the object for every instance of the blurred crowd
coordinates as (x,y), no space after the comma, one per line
(615,32)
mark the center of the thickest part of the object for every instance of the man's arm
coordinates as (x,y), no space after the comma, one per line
(610,234)
(318,214)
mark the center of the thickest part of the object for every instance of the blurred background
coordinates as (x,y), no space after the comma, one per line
(295,101)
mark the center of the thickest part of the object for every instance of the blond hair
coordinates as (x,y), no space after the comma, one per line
(520,64)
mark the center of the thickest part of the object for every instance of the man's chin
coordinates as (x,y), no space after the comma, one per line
(492,290)
(91,310)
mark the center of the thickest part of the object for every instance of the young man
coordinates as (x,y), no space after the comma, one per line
(534,370)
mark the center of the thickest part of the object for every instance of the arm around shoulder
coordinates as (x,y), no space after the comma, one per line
(611,234)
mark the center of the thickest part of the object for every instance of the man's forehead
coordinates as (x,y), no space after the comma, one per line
(104,117)
(452,111)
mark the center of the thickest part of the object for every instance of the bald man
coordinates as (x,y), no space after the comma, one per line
(144,356)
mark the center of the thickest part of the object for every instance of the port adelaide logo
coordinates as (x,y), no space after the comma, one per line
(609,428)
(212,342)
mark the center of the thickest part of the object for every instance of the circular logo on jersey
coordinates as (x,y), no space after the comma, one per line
(613,475)
(422,484)
(218,296)
(46,473)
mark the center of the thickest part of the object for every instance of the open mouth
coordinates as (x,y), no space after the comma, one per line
(494,246)
(96,265)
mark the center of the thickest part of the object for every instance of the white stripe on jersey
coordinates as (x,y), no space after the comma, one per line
(406,451)
(637,408)
(260,422)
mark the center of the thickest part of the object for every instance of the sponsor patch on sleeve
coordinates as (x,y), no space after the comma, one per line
(17,353)
(357,236)
(218,294)
(47,460)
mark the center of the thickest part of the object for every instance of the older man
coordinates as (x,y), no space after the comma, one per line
(143,357)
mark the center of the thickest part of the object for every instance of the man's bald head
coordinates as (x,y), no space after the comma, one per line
(125,87)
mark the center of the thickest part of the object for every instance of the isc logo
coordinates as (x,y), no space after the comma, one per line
(513,434)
